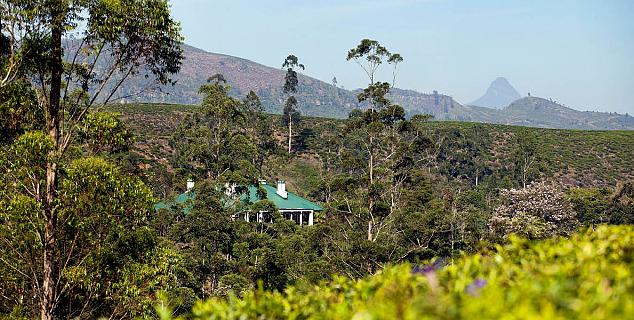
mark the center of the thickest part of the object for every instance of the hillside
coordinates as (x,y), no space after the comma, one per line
(316,97)
(579,158)
(321,99)
(539,112)
(499,95)
(543,113)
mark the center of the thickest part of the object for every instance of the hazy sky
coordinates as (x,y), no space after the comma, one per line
(580,53)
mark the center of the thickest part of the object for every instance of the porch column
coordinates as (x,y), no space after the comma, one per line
(301,218)
(310,217)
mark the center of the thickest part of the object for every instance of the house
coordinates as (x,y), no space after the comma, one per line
(291,206)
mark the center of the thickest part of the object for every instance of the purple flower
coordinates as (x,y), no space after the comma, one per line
(475,286)
(426,269)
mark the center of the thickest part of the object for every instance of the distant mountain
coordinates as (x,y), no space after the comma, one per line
(543,113)
(318,98)
(499,95)
(539,112)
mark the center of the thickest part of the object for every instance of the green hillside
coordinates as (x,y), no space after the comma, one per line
(572,157)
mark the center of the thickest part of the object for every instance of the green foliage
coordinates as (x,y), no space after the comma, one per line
(19,111)
(621,208)
(291,114)
(582,158)
(374,55)
(114,264)
(290,80)
(104,131)
(217,141)
(590,204)
(526,157)
(80,211)
(585,277)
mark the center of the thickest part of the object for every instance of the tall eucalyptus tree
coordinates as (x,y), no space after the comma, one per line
(291,83)
(77,54)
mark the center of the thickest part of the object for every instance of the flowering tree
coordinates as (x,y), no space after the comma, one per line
(538,211)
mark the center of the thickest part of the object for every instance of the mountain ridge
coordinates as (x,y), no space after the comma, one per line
(318,98)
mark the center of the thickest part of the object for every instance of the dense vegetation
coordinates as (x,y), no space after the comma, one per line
(574,157)
(82,239)
(454,183)
(588,276)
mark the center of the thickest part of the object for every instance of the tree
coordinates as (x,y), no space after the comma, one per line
(382,114)
(462,155)
(591,205)
(217,142)
(538,211)
(103,132)
(291,82)
(111,262)
(259,128)
(621,204)
(374,55)
(79,54)
(378,195)
(526,157)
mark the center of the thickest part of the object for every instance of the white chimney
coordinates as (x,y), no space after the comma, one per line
(230,189)
(281,189)
(190,184)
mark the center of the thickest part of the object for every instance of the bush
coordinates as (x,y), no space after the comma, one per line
(589,276)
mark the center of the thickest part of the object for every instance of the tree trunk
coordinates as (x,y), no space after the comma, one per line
(48,259)
(290,132)
(371,163)
(48,254)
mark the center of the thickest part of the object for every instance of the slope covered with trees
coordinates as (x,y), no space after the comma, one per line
(438,189)
(82,239)
(578,158)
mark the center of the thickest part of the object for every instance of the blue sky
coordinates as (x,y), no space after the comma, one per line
(580,53)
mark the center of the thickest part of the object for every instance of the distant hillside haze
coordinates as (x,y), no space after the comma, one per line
(316,97)
(321,99)
(498,96)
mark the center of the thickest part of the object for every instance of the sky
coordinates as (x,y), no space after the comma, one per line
(579,53)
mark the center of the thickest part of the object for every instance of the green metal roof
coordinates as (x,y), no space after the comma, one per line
(291,202)
(180,199)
